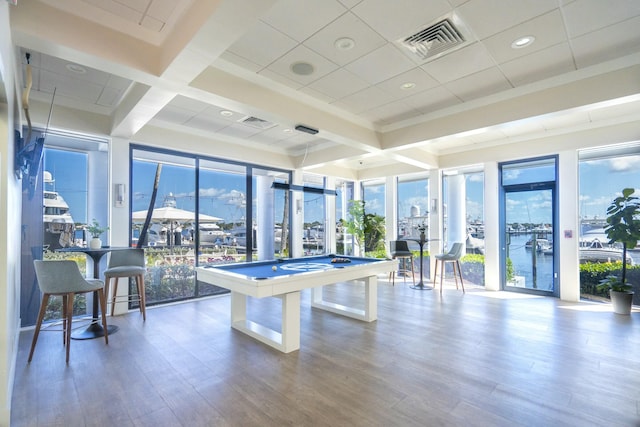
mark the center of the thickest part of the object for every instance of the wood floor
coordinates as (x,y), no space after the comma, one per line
(479,359)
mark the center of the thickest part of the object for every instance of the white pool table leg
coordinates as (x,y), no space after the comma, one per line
(288,340)
(368,314)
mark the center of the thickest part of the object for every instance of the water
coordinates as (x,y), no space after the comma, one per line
(523,264)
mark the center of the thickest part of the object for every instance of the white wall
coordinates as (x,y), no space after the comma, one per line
(10,213)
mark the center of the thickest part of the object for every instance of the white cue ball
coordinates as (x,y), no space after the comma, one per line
(274,268)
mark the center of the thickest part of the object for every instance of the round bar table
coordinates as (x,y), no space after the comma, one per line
(95,329)
(421,241)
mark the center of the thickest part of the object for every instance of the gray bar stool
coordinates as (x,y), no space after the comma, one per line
(126,263)
(454,255)
(63,278)
(400,250)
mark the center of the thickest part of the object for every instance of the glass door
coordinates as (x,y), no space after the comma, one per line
(529,243)
(528,220)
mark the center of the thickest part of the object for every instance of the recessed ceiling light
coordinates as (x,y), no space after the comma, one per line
(407,85)
(226,113)
(521,42)
(344,43)
(75,68)
(302,68)
(287,130)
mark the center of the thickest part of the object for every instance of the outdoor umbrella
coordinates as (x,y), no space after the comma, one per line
(172,215)
(169,213)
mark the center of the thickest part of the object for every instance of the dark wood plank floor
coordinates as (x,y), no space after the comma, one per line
(479,359)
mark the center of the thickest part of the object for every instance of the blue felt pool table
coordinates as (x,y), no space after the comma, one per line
(284,279)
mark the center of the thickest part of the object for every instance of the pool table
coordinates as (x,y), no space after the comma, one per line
(284,279)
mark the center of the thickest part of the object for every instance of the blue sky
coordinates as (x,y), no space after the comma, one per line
(222,195)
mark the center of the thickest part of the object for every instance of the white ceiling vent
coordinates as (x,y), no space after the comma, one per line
(257,123)
(435,40)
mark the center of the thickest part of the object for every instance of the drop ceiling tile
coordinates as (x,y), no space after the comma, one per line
(349,3)
(109,97)
(268,74)
(612,42)
(348,25)
(262,44)
(390,113)
(137,5)
(364,100)
(399,19)
(239,61)
(322,66)
(239,130)
(123,11)
(161,9)
(381,64)
(190,104)
(585,16)
(275,134)
(432,100)
(116,82)
(151,24)
(548,29)
(462,62)
(59,67)
(418,76)
(317,95)
(539,65)
(483,83)
(300,19)
(488,17)
(173,114)
(73,88)
(339,84)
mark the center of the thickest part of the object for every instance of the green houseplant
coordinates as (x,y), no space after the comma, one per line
(623,226)
(95,230)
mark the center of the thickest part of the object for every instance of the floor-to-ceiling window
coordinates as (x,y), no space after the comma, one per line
(202,211)
(463,201)
(68,192)
(603,174)
(412,205)
(528,225)
(313,240)
(344,194)
(373,196)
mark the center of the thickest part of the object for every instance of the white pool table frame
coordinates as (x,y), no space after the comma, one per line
(287,288)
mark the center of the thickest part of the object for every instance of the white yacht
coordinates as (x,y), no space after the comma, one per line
(59,228)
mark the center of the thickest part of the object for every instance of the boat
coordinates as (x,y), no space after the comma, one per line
(598,252)
(59,227)
(211,233)
(542,245)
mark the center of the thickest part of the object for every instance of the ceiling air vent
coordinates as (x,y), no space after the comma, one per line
(257,123)
(435,40)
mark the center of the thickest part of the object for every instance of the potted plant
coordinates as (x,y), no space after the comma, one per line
(623,226)
(95,230)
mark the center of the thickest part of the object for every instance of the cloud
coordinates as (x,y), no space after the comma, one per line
(476,177)
(624,164)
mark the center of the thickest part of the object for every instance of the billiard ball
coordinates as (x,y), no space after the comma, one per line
(274,268)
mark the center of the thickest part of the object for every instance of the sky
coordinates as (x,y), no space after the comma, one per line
(222,194)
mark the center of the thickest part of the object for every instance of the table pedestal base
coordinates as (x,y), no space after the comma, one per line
(94,330)
(421,287)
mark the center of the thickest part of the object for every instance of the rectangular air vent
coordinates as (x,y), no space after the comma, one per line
(434,40)
(257,123)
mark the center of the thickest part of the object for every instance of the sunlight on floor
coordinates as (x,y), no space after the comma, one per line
(503,295)
(593,307)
